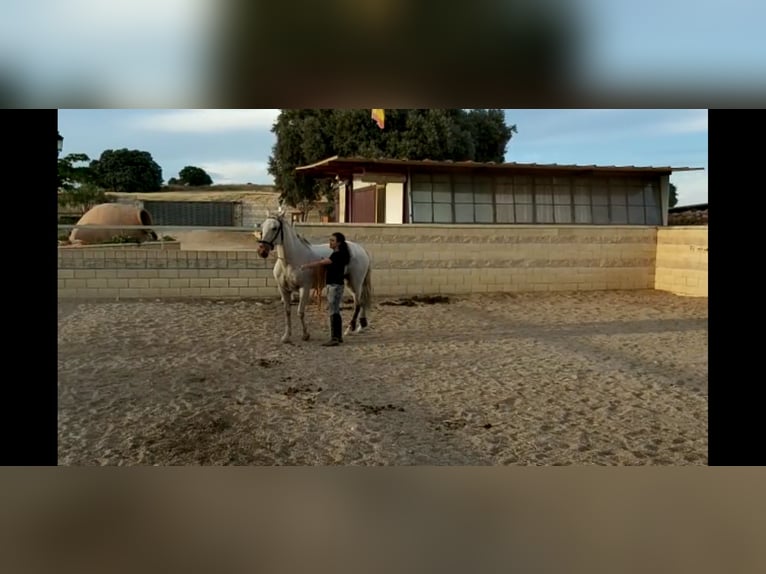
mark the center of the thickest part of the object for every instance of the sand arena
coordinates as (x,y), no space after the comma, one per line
(600,378)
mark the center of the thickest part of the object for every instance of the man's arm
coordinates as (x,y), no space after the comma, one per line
(317,263)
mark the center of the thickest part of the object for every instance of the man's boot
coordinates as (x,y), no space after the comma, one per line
(336,326)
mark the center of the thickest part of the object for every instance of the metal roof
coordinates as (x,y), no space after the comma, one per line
(337,165)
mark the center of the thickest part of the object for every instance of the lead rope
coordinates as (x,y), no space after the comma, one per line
(318,286)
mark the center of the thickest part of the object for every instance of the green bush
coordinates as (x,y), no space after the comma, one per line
(121,239)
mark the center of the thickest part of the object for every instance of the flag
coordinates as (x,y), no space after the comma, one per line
(380,117)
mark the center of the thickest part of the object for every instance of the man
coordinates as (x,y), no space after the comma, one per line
(336,266)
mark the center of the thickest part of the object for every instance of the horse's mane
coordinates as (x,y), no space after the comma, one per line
(280,218)
(303,240)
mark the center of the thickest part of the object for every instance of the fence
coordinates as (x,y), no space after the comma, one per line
(682,260)
(194,213)
(408,260)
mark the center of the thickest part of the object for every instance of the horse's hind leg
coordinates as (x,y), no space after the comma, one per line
(359,311)
(352,328)
(352,324)
(359,314)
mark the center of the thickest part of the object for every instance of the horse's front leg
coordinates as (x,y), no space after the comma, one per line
(286,302)
(305,293)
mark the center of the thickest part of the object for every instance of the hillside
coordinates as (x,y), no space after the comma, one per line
(256,194)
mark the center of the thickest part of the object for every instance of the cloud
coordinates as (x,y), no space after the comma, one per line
(691,186)
(133,54)
(238,171)
(599,126)
(695,121)
(207,121)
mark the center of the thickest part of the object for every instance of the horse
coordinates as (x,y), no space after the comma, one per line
(293,251)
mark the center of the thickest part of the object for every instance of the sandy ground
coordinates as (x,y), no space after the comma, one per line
(605,378)
(201,240)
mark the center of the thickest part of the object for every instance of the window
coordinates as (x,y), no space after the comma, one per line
(473,199)
(422,199)
(651,194)
(442,198)
(431,199)
(484,213)
(579,199)
(636,215)
(582,209)
(653,216)
(442,213)
(618,208)
(464,213)
(463,189)
(464,199)
(599,196)
(562,200)
(599,193)
(635,195)
(652,203)
(543,199)
(601,214)
(422,213)
(504,200)
(483,199)
(523,196)
(442,189)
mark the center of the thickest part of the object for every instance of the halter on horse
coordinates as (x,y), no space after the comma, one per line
(292,252)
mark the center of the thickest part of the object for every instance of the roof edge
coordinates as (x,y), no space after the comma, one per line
(346,163)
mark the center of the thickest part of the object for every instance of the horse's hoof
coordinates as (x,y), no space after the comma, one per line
(286,340)
(306,336)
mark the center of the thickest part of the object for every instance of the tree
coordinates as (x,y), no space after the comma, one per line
(489,134)
(71,175)
(193,176)
(307,136)
(303,136)
(673,196)
(128,171)
(75,183)
(83,197)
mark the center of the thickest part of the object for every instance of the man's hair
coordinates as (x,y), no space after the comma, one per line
(342,245)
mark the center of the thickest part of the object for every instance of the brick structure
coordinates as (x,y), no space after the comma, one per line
(413,260)
(682,260)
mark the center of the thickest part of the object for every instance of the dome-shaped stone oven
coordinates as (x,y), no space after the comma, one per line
(113,214)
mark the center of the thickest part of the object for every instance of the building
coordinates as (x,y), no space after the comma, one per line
(223,206)
(408,191)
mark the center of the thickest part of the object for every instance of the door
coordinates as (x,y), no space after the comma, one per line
(363,205)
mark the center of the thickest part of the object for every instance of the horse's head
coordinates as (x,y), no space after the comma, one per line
(272,233)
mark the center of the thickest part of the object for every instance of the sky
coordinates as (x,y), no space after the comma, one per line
(233,146)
